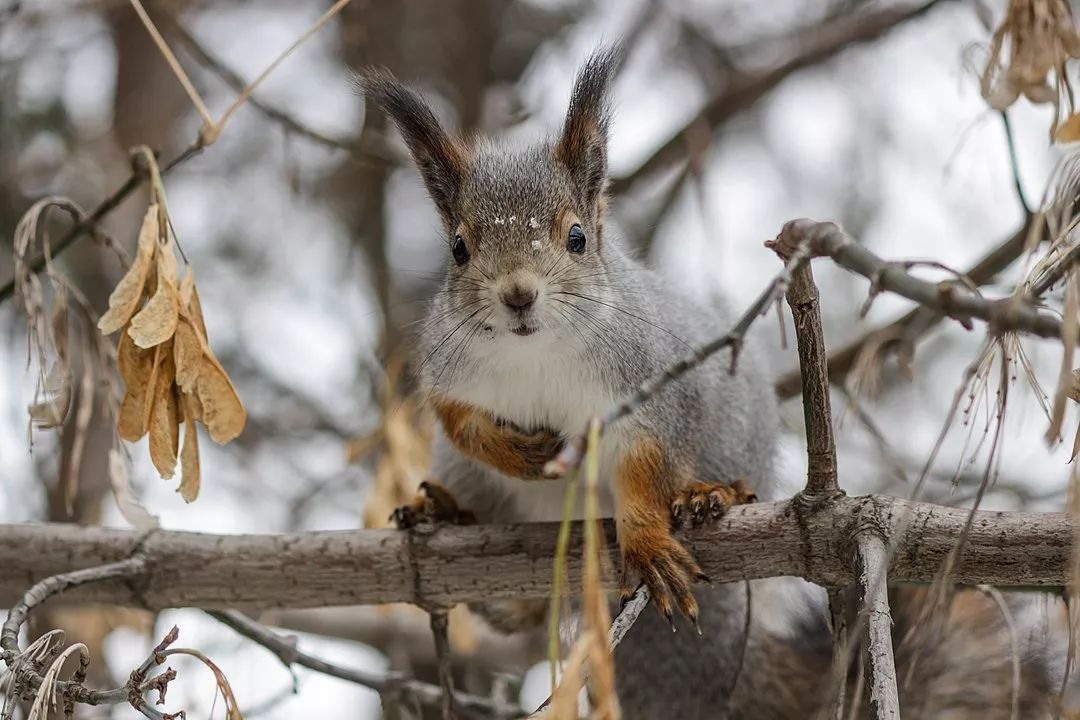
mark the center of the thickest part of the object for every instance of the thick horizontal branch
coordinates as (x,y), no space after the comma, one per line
(452,564)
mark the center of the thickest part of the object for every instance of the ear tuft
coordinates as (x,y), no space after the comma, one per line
(440,159)
(582,147)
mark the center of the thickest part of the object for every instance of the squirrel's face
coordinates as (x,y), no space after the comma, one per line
(525,246)
(523,227)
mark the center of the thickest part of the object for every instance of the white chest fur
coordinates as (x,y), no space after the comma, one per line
(540,380)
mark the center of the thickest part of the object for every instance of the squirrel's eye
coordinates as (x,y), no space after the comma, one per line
(461,253)
(575,240)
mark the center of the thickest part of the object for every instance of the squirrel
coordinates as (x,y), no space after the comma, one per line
(544,321)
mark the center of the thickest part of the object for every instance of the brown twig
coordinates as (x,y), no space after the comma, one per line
(882,695)
(440,632)
(367,144)
(916,322)
(803,298)
(390,684)
(139,174)
(26,676)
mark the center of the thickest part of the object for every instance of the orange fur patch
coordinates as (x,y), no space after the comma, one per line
(477,434)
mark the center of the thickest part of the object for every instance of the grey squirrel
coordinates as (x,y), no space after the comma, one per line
(544,322)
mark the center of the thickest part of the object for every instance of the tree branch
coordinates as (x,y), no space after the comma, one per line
(827,239)
(881,693)
(916,322)
(820,44)
(392,684)
(455,564)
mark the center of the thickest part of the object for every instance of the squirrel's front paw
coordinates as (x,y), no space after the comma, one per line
(653,556)
(433,504)
(697,502)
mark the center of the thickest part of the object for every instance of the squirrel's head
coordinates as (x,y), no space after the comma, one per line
(523,226)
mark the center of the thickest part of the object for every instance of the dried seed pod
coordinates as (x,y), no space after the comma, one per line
(128,293)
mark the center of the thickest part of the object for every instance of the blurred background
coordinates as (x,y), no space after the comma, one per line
(316,250)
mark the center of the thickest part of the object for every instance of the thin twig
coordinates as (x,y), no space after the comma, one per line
(881,690)
(174,65)
(1014,163)
(25,675)
(820,44)
(440,631)
(243,96)
(391,684)
(367,144)
(139,174)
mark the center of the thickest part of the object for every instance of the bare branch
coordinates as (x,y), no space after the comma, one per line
(818,45)
(25,672)
(1014,313)
(803,298)
(391,684)
(917,322)
(881,691)
(320,569)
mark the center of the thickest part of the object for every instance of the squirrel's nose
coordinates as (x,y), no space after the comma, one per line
(518,298)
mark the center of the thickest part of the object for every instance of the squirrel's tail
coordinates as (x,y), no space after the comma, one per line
(966,659)
(977,656)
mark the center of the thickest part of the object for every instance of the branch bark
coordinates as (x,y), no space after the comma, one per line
(916,322)
(882,696)
(456,564)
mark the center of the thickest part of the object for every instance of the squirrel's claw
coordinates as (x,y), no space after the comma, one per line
(433,504)
(699,501)
(666,568)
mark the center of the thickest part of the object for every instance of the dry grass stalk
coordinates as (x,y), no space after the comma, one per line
(591,660)
(1028,56)
(170,373)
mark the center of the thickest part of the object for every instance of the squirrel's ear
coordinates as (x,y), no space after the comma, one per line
(582,147)
(440,159)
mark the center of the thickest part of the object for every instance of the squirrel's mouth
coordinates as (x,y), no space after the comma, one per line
(523,330)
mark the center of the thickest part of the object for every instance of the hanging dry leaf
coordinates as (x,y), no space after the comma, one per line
(189,454)
(222,412)
(129,291)
(132,510)
(50,411)
(136,369)
(164,422)
(188,354)
(156,322)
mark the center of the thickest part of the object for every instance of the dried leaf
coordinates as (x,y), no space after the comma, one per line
(164,425)
(59,322)
(128,292)
(156,322)
(188,352)
(137,371)
(198,372)
(222,412)
(189,454)
(132,510)
(50,411)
